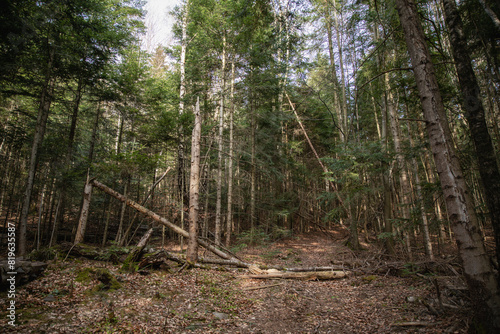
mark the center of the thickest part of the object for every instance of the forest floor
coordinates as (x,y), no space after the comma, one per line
(67,299)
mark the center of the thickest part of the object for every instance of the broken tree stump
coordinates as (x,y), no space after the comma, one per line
(136,254)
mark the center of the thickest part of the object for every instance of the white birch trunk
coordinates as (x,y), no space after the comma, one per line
(194,188)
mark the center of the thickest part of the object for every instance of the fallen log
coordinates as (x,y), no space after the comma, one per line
(161,220)
(22,271)
(314,275)
(307,269)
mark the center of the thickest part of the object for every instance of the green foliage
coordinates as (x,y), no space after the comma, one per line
(255,236)
(259,236)
(113,253)
(43,254)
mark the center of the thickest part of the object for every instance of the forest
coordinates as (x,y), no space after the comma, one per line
(280,166)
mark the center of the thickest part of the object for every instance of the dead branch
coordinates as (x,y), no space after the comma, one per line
(261,287)
(315,275)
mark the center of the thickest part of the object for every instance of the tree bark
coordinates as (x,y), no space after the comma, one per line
(490,13)
(41,123)
(477,267)
(229,221)
(218,205)
(334,79)
(194,188)
(404,182)
(475,114)
(182,93)
(82,222)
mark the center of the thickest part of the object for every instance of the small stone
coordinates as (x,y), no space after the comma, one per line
(220,316)
(50,298)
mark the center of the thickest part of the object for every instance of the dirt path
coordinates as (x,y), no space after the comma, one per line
(210,301)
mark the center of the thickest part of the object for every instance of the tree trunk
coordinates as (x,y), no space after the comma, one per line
(82,221)
(490,13)
(334,79)
(477,267)
(475,114)
(182,92)
(342,74)
(194,188)
(218,205)
(229,222)
(123,209)
(401,167)
(425,223)
(41,123)
(253,169)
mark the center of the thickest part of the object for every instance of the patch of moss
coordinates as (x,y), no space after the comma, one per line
(85,275)
(369,278)
(108,281)
(103,275)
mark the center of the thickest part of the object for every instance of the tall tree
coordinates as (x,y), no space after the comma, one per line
(478,271)
(475,114)
(194,187)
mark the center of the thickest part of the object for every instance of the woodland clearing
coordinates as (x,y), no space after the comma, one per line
(380,296)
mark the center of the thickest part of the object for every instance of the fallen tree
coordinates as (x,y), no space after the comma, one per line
(163,221)
(326,273)
(308,276)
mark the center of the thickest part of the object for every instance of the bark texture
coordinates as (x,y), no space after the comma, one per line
(477,268)
(475,114)
(194,188)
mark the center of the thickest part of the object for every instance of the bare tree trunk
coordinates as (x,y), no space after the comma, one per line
(194,188)
(342,73)
(475,114)
(425,223)
(106,225)
(218,205)
(41,123)
(478,271)
(182,92)
(253,171)
(335,80)
(119,133)
(229,222)
(403,175)
(122,210)
(82,222)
